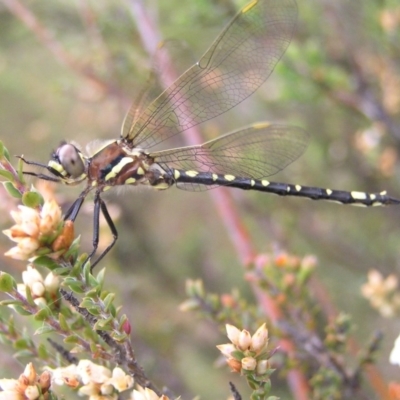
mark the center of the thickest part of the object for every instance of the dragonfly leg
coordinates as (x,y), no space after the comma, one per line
(73,211)
(100,206)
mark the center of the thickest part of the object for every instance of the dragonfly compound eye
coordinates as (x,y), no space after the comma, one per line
(71,160)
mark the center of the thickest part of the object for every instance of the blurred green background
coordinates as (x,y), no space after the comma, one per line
(340,80)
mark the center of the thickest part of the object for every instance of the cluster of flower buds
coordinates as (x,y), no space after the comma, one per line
(28,386)
(146,394)
(383,293)
(93,380)
(38,232)
(246,353)
(41,289)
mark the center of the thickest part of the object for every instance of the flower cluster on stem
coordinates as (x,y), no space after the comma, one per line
(37,232)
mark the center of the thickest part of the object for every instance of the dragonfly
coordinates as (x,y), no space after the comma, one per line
(240,59)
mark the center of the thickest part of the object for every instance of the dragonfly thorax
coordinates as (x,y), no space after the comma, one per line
(116,165)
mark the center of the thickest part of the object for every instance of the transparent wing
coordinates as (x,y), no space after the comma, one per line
(255,152)
(236,64)
(166,50)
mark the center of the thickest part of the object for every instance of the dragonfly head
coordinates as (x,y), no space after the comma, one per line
(68,164)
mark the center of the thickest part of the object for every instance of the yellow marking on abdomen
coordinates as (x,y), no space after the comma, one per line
(252,182)
(229,178)
(358,195)
(140,171)
(264,182)
(191,173)
(298,188)
(214,177)
(328,191)
(177,174)
(129,181)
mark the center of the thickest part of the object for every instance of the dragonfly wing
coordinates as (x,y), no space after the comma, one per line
(237,63)
(256,152)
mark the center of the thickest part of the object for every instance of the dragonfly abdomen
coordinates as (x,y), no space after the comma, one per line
(284,189)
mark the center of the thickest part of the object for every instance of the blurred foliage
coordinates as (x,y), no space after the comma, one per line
(339,79)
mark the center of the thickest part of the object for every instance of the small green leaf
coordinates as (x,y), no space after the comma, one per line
(72,339)
(93,294)
(103,325)
(63,322)
(87,302)
(74,285)
(32,199)
(22,343)
(42,314)
(7,282)
(23,354)
(6,153)
(12,190)
(100,277)
(108,301)
(7,174)
(9,302)
(44,329)
(42,352)
(86,272)
(96,311)
(112,310)
(118,336)
(47,262)
(21,310)
(1,150)
(29,297)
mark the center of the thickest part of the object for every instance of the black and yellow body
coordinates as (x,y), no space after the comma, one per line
(236,64)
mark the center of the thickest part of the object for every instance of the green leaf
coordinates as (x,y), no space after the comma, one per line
(74,285)
(108,301)
(103,325)
(29,297)
(118,336)
(86,272)
(1,150)
(63,322)
(6,154)
(9,302)
(72,339)
(12,190)
(7,282)
(100,277)
(112,310)
(47,262)
(32,199)
(96,311)
(21,310)
(44,329)
(23,354)
(22,343)
(7,174)
(42,314)
(42,351)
